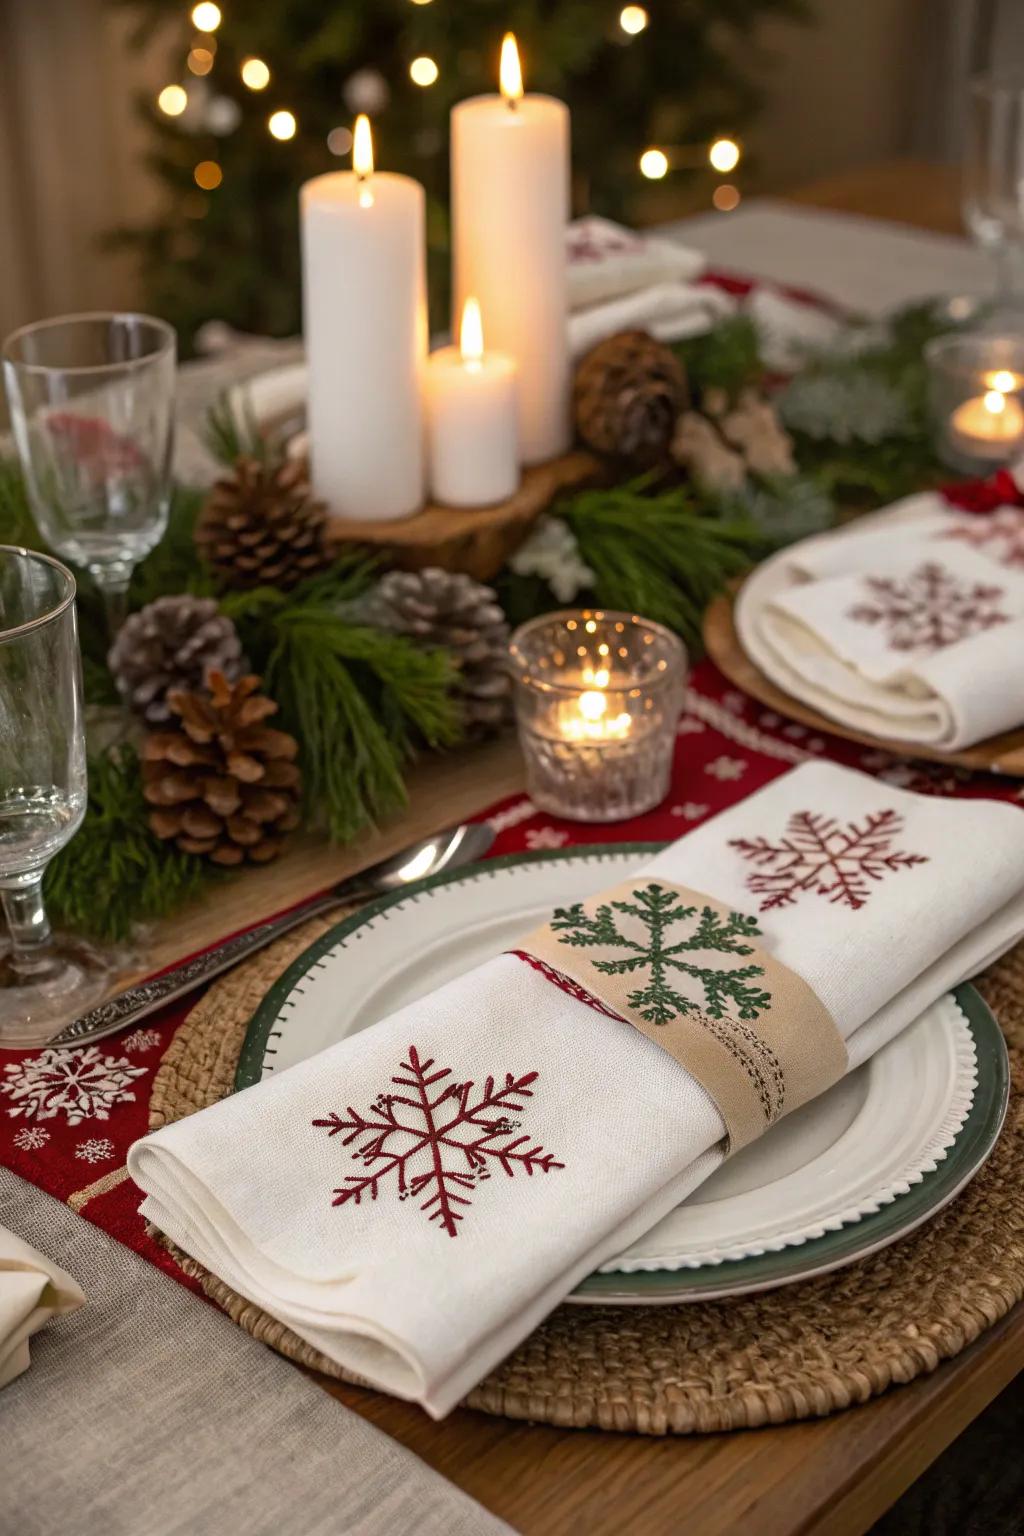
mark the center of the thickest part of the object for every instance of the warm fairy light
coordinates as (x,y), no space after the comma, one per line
(206,16)
(339,141)
(255,74)
(208,175)
(1004,381)
(726,197)
(200,61)
(724,155)
(423,71)
(995,402)
(510,72)
(421,2)
(654,164)
(282,125)
(173,100)
(362,148)
(633,19)
(471,333)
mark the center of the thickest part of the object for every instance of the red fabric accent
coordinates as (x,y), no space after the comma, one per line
(981,496)
(567,984)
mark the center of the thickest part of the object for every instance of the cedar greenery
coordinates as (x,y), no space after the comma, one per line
(115,873)
(653,553)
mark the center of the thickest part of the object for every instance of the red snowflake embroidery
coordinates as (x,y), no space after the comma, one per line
(1000,535)
(928,609)
(820,855)
(456,1138)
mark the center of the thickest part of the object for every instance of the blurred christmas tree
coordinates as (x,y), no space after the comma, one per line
(261,95)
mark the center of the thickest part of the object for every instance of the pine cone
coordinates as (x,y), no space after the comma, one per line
(261,527)
(172,643)
(628,393)
(451,610)
(222,783)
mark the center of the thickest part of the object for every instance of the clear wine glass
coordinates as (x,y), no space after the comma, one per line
(993,190)
(45,979)
(92,408)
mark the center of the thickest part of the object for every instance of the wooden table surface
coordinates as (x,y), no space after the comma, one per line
(833,1476)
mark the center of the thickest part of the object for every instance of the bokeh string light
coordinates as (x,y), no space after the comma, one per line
(255,74)
(282,124)
(724,155)
(206,17)
(172,100)
(654,164)
(423,71)
(633,19)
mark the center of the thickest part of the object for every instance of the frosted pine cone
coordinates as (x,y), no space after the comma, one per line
(172,643)
(221,782)
(452,611)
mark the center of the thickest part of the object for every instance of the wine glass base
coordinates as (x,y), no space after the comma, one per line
(67,981)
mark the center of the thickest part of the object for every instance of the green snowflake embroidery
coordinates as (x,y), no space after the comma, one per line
(659,1001)
(658,910)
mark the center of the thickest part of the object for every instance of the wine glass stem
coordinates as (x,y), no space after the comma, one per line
(29,926)
(113,581)
(1009,276)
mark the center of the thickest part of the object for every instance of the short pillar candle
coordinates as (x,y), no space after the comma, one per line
(473,441)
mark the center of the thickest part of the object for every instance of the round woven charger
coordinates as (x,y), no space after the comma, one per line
(799,1352)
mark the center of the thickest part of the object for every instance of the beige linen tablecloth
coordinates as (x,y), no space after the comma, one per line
(148,1413)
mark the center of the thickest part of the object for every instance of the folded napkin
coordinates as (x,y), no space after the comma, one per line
(414,1200)
(32,1290)
(913,629)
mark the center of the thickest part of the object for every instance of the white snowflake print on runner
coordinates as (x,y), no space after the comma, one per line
(31,1138)
(998,534)
(141,1040)
(545,837)
(512,815)
(98,1149)
(929,609)
(689,810)
(441,1138)
(80,1085)
(688,726)
(734,701)
(821,856)
(726,769)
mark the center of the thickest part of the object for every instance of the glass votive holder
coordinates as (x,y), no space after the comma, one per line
(976,400)
(598,697)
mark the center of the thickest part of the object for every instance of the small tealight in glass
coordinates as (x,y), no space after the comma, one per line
(598,697)
(976,396)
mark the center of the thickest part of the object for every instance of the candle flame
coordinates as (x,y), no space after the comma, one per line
(995,402)
(362,147)
(593,705)
(511,72)
(1002,381)
(471,332)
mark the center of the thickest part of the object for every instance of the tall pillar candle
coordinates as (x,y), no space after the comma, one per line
(365,323)
(510,207)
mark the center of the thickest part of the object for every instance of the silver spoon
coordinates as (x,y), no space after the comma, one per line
(447,850)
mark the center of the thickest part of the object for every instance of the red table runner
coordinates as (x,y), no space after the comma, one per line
(67,1118)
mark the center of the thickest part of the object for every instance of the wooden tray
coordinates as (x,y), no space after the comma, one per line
(999,754)
(476,540)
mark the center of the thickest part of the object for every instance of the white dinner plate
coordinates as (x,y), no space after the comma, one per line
(835,1164)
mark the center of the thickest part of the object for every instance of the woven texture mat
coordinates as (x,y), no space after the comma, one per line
(796,1353)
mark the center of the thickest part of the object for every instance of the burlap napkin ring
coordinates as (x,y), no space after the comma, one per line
(663,958)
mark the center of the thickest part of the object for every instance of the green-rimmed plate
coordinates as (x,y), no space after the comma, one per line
(864,1164)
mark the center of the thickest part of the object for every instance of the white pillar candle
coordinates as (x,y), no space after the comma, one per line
(473,442)
(365,322)
(510,206)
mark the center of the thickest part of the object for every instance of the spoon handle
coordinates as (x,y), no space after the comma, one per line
(135,1002)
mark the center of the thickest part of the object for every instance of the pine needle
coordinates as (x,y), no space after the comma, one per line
(654,555)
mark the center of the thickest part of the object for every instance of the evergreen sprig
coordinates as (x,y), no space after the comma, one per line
(360,700)
(115,873)
(653,553)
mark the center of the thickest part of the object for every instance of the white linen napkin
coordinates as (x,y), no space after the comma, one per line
(32,1290)
(606,261)
(834,867)
(911,630)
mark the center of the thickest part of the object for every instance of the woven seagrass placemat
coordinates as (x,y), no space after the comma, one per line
(796,1353)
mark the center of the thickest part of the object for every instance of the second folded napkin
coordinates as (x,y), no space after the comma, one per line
(912,630)
(414,1200)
